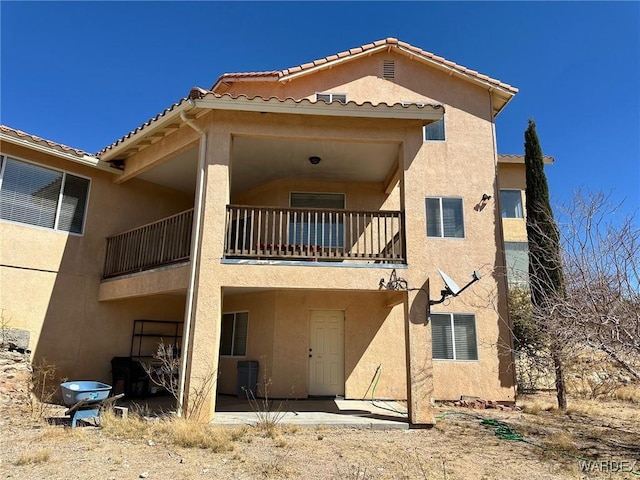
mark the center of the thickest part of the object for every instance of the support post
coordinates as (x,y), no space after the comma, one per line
(419,359)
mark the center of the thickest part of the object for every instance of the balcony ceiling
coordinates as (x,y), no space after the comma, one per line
(259,160)
(178,172)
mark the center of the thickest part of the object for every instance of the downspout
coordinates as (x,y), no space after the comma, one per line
(195,256)
(501,233)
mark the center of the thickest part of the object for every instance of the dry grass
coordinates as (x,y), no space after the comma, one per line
(57,434)
(171,447)
(536,406)
(172,431)
(34,458)
(560,441)
(628,394)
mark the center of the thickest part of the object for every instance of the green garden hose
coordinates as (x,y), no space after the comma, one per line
(504,431)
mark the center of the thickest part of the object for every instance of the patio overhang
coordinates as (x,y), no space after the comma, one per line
(201,101)
(286,156)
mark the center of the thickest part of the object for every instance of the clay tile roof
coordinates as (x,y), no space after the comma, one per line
(393,42)
(515,158)
(150,121)
(42,141)
(198,93)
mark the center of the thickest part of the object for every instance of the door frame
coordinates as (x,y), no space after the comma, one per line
(343,373)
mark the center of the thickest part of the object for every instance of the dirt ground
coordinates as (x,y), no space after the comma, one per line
(458,447)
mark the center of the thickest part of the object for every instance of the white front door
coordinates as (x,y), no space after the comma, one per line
(326,352)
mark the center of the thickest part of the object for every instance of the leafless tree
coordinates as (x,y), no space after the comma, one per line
(597,315)
(601,257)
(599,308)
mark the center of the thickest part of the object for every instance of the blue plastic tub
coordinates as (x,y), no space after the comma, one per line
(73,392)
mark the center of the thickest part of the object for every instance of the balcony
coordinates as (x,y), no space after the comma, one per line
(314,234)
(164,242)
(265,233)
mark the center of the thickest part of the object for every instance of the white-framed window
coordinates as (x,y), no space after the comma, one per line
(445,218)
(517,259)
(233,337)
(317,228)
(453,336)
(332,97)
(511,202)
(434,131)
(42,196)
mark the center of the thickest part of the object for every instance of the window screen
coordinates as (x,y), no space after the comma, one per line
(444,217)
(31,194)
(453,336)
(317,228)
(233,337)
(434,131)
(511,202)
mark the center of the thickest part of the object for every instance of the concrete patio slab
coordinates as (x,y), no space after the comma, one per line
(325,412)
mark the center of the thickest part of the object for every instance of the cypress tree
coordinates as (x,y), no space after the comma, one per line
(545,268)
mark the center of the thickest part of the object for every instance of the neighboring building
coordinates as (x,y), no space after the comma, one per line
(263,214)
(512,182)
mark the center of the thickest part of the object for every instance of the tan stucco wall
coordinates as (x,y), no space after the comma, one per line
(279,339)
(464,165)
(358,195)
(49,280)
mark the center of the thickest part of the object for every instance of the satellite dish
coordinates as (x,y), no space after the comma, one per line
(449,283)
(451,287)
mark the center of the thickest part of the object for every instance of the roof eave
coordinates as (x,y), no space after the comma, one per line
(509,92)
(519,159)
(427,113)
(87,160)
(332,63)
(132,139)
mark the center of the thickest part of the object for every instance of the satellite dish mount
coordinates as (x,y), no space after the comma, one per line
(451,288)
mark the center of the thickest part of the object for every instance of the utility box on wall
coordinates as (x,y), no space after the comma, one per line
(247,379)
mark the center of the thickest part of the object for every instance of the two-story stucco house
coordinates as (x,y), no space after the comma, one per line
(266,219)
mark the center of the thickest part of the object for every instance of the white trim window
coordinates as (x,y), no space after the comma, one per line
(42,196)
(445,217)
(331,97)
(453,336)
(511,203)
(317,228)
(233,336)
(434,132)
(517,258)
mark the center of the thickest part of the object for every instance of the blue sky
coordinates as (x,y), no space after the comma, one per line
(86,73)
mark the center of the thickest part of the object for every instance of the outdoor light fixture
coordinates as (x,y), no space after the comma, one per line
(314,160)
(485,197)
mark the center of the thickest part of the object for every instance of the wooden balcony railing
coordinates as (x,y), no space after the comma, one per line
(314,234)
(155,244)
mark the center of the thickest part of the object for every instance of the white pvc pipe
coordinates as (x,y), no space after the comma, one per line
(195,256)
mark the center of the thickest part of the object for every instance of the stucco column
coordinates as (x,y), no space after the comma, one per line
(419,359)
(203,358)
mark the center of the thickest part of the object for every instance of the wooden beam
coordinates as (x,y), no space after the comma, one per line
(392,179)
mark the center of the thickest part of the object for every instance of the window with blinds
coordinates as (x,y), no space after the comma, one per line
(313,227)
(233,337)
(444,217)
(41,196)
(453,336)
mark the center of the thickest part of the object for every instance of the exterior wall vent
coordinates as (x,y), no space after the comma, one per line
(388,69)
